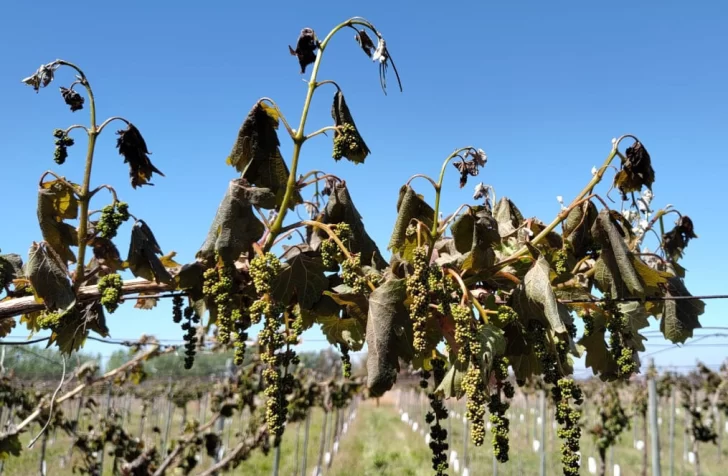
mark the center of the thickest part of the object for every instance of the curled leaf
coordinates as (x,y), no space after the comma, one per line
(143,250)
(257,156)
(680,317)
(636,170)
(578,226)
(49,277)
(132,146)
(676,240)
(410,207)
(302,276)
(306,47)
(615,271)
(57,202)
(541,297)
(365,42)
(235,226)
(72,99)
(347,140)
(43,76)
(11,267)
(508,216)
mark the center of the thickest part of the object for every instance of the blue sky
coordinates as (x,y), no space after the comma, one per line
(541,87)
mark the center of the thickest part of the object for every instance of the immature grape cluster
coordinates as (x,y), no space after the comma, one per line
(346,142)
(112,216)
(263,269)
(218,288)
(506,315)
(63,141)
(619,333)
(547,357)
(110,287)
(190,336)
(177,303)
(420,300)
(463,330)
(564,393)
(330,252)
(345,360)
(437,413)
(475,390)
(498,408)
(560,262)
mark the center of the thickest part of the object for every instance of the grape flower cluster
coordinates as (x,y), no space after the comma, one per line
(112,216)
(63,141)
(437,413)
(564,393)
(110,287)
(498,407)
(417,288)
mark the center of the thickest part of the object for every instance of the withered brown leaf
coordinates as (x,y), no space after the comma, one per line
(132,146)
(306,47)
(636,171)
(143,250)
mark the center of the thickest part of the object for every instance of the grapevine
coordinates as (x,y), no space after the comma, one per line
(110,288)
(112,217)
(418,291)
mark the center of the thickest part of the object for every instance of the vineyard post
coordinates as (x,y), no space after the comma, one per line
(170,408)
(298,444)
(542,413)
(450,417)
(654,427)
(672,430)
(686,425)
(305,442)
(322,444)
(466,439)
(276,457)
(43,444)
(103,443)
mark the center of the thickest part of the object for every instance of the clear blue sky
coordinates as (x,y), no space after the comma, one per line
(541,86)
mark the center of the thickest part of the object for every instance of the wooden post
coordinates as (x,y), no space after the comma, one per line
(654,426)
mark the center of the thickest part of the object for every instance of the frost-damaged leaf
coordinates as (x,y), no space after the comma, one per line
(146,303)
(598,357)
(143,250)
(577,228)
(10,446)
(348,331)
(57,202)
(537,284)
(355,305)
(256,153)
(325,308)
(383,335)
(347,140)
(302,276)
(409,206)
(73,327)
(106,253)
(306,47)
(474,234)
(615,271)
(680,317)
(235,227)
(636,171)
(132,146)
(340,209)
(452,384)
(493,344)
(524,366)
(11,267)
(6,325)
(508,216)
(49,278)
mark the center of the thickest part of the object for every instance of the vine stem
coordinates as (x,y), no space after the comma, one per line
(468,295)
(84,197)
(299,137)
(248,444)
(438,191)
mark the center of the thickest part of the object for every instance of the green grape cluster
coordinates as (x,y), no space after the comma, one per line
(464,335)
(345,360)
(588,323)
(239,343)
(442,288)
(350,275)
(434,417)
(331,254)
(63,141)
(560,262)
(218,287)
(49,320)
(475,390)
(263,269)
(564,393)
(548,358)
(619,333)
(347,142)
(506,315)
(190,336)
(498,407)
(112,216)
(420,299)
(110,288)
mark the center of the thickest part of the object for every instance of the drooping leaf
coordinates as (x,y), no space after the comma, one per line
(106,253)
(636,171)
(474,234)
(133,147)
(578,226)
(11,267)
(340,209)
(235,227)
(492,342)
(615,271)
(302,276)
(6,325)
(355,305)
(598,357)
(325,308)
(49,278)
(537,285)
(56,202)
(452,384)
(508,216)
(680,317)
(256,154)
(10,446)
(143,250)
(410,206)
(383,335)
(676,240)
(525,365)
(347,140)
(343,330)
(306,47)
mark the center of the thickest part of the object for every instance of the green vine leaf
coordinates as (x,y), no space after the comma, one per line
(49,278)
(508,216)
(57,202)
(301,276)
(452,384)
(493,343)
(257,156)
(142,259)
(343,330)
(235,227)
(615,271)
(356,305)
(340,209)
(73,326)
(598,357)
(680,317)
(347,140)
(385,335)
(11,267)
(410,206)
(540,294)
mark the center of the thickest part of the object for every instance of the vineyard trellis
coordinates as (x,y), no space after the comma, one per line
(465,300)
